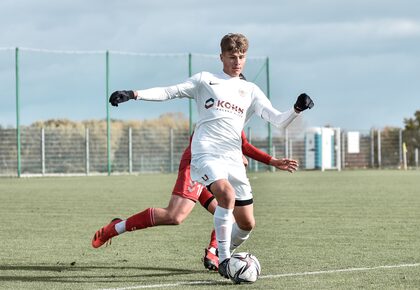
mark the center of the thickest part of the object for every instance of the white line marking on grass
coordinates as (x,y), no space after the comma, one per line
(165,285)
(339,270)
(170,285)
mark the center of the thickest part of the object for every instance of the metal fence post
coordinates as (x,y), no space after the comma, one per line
(379,149)
(171,149)
(372,148)
(416,157)
(87,164)
(108,118)
(130,150)
(272,168)
(343,151)
(19,169)
(141,163)
(290,148)
(190,100)
(400,149)
(322,161)
(43,151)
(337,148)
(270,137)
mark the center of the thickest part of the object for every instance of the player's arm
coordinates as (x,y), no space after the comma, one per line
(182,90)
(283,119)
(153,94)
(267,112)
(253,152)
(165,93)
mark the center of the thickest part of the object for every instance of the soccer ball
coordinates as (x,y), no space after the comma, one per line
(243,268)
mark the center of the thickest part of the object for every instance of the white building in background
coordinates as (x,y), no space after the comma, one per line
(322,148)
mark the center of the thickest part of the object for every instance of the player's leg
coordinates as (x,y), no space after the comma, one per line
(174,214)
(210,259)
(223,220)
(207,200)
(245,222)
(141,220)
(213,172)
(184,196)
(244,209)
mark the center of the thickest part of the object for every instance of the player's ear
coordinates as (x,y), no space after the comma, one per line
(221,57)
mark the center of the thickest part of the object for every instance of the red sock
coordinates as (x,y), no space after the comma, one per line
(141,220)
(213,241)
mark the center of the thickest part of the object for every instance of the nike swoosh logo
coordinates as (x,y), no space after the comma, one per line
(212,83)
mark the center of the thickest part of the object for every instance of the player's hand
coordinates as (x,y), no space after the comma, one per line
(120,97)
(285,164)
(303,102)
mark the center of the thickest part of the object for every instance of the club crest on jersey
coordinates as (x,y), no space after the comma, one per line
(209,103)
(224,106)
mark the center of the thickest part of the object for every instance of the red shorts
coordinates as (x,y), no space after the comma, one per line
(184,186)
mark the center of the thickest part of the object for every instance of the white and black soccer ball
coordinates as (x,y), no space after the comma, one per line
(243,268)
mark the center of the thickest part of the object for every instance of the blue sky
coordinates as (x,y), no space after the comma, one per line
(359,59)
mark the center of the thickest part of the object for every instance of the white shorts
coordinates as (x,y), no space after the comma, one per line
(207,168)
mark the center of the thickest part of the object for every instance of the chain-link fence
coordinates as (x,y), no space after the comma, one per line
(83,149)
(42,89)
(42,84)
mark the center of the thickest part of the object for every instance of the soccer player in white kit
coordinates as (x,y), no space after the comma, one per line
(225,102)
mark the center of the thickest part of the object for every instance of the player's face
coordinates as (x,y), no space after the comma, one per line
(233,62)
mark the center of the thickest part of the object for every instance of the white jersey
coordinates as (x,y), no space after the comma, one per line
(224,105)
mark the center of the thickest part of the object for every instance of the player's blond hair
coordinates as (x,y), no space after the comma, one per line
(234,42)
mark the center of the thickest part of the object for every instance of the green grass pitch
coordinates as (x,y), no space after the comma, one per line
(315,230)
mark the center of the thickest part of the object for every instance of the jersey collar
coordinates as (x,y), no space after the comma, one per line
(225,76)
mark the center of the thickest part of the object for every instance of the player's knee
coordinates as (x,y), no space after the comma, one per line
(247,225)
(171,217)
(224,193)
(226,201)
(175,219)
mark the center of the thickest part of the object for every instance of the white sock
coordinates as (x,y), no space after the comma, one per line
(223,219)
(238,237)
(120,227)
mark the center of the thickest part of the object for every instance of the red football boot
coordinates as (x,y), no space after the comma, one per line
(210,260)
(105,233)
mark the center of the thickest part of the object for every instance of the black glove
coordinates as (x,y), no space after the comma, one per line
(303,102)
(121,97)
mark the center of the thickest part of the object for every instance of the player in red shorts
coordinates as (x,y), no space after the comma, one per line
(184,196)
